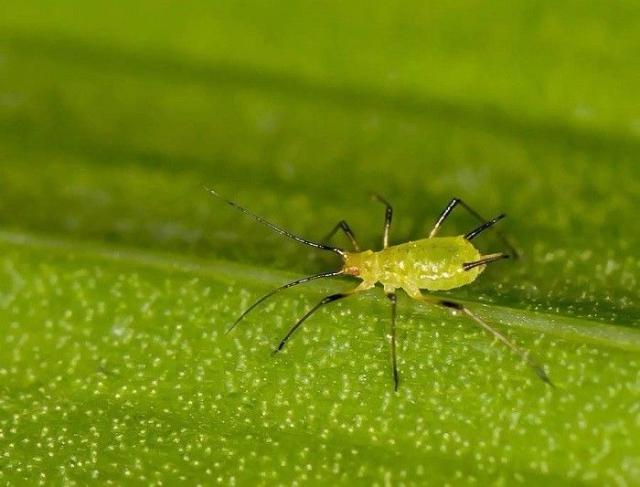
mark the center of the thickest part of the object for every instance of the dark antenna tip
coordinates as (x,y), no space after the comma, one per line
(543,375)
(277,229)
(281,288)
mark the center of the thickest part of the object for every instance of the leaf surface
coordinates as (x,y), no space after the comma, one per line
(119,274)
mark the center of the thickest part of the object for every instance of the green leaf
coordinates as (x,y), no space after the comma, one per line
(119,274)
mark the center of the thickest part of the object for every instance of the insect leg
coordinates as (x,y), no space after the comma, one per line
(388,215)
(394,362)
(457,201)
(281,288)
(455,306)
(344,226)
(477,231)
(326,300)
(445,213)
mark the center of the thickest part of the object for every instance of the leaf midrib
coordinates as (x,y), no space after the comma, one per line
(580,330)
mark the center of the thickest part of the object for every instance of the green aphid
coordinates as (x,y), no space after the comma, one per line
(431,264)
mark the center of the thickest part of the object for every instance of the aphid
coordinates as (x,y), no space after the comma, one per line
(433,264)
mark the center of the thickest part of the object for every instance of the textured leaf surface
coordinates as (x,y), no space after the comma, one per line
(119,274)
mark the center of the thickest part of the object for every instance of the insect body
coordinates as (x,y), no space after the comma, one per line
(433,264)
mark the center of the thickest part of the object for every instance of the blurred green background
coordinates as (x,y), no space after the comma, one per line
(118,272)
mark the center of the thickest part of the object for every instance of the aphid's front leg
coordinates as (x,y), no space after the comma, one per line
(388,216)
(449,208)
(329,299)
(459,307)
(394,362)
(344,226)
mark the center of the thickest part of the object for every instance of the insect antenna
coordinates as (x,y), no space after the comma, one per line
(477,231)
(281,288)
(281,231)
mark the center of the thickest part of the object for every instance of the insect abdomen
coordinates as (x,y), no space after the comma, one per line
(434,264)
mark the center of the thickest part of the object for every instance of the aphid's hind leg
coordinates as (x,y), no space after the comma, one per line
(344,226)
(455,307)
(329,299)
(394,361)
(388,216)
(488,224)
(449,208)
